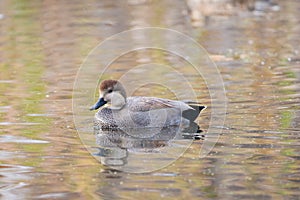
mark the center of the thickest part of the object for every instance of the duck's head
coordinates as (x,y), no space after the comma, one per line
(112,93)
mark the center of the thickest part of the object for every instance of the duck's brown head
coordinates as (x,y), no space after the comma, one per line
(111,92)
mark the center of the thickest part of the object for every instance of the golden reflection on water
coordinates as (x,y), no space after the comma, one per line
(42,46)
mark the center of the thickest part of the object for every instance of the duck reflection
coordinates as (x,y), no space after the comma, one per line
(127,149)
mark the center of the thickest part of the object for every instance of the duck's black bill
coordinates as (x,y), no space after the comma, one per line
(98,104)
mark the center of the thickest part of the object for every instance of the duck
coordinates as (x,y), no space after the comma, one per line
(118,110)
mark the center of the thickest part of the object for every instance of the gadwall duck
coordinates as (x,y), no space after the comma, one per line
(140,112)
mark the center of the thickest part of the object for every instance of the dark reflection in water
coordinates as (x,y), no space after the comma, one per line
(43,43)
(129,150)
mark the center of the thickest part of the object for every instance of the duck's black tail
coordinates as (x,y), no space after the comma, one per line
(192,114)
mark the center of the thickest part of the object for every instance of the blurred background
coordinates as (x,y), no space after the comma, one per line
(255,44)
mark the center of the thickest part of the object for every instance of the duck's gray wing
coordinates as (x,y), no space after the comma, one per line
(142,104)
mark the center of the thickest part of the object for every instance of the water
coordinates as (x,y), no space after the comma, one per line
(43,43)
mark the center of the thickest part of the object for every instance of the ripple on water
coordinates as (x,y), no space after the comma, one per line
(12,177)
(39,114)
(4,109)
(8,155)
(58,195)
(7,81)
(17,139)
(18,123)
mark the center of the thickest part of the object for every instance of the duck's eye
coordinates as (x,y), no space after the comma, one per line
(110,91)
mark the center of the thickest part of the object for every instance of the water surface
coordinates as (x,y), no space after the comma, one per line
(42,46)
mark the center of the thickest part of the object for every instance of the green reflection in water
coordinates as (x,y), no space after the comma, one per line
(286,119)
(286,115)
(26,57)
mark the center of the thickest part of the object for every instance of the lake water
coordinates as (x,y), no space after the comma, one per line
(42,46)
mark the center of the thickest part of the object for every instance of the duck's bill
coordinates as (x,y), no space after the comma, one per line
(98,104)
